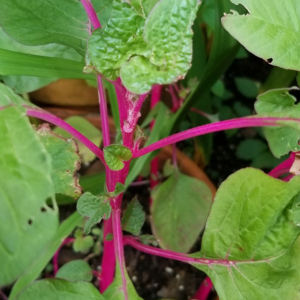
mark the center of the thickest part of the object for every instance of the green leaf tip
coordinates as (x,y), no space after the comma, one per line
(94,208)
(154,43)
(115,155)
(279,103)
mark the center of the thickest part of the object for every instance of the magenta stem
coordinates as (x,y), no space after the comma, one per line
(91,13)
(175,101)
(41,114)
(103,112)
(174,156)
(3,296)
(204,290)
(284,167)
(200,112)
(210,128)
(55,257)
(119,248)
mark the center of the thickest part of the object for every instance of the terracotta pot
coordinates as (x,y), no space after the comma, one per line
(67,92)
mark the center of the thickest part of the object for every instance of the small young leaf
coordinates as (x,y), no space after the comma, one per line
(251,235)
(148,239)
(109,237)
(59,289)
(94,208)
(114,156)
(279,103)
(134,217)
(65,161)
(119,189)
(179,211)
(82,243)
(75,270)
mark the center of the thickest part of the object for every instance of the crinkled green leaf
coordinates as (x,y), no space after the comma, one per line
(94,208)
(179,211)
(269,30)
(65,161)
(28,225)
(134,217)
(59,289)
(75,270)
(8,97)
(145,49)
(279,103)
(115,290)
(43,22)
(250,236)
(88,130)
(82,243)
(114,156)
(143,7)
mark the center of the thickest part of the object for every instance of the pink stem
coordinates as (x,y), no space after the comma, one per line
(3,296)
(200,112)
(175,101)
(119,248)
(55,257)
(91,13)
(209,128)
(103,113)
(204,290)
(174,157)
(288,178)
(41,114)
(284,167)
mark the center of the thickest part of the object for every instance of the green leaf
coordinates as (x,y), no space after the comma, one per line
(82,243)
(115,290)
(75,270)
(25,84)
(250,149)
(143,7)
(247,87)
(25,186)
(15,63)
(119,189)
(179,211)
(8,97)
(65,161)
(148,239)
(94,208)
(88,130)
(46,22)
(270,28)
(134,217)
(251,233)
(145,51)
(114,156)
(279,103)
(59,289)
(42,260)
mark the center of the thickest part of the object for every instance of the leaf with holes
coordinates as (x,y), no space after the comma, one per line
(279,103)
(179,211)
(94,208)
(150,42)
(75,270)
(251,236)
(65,161)
(59,289)
(134,217)
(114,156)
(269,30)
(25,187)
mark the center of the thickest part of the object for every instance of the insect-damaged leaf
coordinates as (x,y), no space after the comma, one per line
(179,211)
(250,237)
(145,49)
(134,217)
(279,103)
(94,208)
(270,30)
(114,156)
(65,161)
(28,225)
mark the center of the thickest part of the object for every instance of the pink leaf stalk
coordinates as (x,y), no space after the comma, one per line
(214,127)
(284,167)
(55,257)
(91,13)
(45,116)
(204,290)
